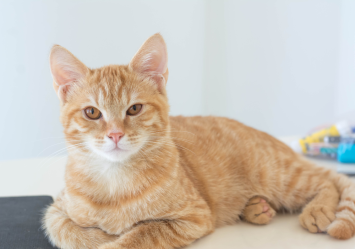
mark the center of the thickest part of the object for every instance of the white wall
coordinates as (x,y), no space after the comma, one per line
(98,33)
(282,63)
(280,66)
(345,99)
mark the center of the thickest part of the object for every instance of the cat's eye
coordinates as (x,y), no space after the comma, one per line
(92,113)
(134,109)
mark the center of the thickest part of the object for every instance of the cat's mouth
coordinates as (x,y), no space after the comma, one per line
(117,149)
(112,152)
(115,154)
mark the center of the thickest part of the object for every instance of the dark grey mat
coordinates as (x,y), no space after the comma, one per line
(20,226)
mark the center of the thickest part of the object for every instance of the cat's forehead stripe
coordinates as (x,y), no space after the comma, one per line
(109,82)
(101,97)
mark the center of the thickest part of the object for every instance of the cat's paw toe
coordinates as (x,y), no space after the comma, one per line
(258,211)
(316,219)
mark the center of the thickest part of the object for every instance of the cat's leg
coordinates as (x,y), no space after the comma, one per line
(191,222)
(258,211)
(343,227)
(326,212)
(66,234)
(163,234)
(319,213)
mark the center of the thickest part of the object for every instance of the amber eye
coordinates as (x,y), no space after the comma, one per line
(134,109)
(92,113)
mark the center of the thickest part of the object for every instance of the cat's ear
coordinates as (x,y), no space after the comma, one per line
(66,70)
(152,60)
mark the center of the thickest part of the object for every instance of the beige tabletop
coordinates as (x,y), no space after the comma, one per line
(44,176)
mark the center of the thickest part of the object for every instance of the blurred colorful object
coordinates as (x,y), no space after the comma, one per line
(334,142)
(346,150)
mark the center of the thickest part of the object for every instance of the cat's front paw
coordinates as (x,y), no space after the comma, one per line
(258,211)
(316,219)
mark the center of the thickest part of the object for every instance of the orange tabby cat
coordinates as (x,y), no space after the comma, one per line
(137,178)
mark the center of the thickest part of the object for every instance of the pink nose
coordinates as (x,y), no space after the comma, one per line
(116,136)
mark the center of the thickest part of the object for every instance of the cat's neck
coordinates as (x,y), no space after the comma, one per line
(103,181)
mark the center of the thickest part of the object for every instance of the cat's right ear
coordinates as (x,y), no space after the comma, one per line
(66,70)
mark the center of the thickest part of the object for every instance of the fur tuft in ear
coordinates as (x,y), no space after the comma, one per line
(152,60)
(66,70)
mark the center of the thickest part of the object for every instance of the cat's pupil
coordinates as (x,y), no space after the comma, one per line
(134,107)
(92,111)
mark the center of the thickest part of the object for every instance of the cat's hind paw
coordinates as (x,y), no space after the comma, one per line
(316,219)
(258,211)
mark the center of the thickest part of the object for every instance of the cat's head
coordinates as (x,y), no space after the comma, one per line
(116,111)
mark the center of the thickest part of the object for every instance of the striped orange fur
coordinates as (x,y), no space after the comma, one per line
(172,180)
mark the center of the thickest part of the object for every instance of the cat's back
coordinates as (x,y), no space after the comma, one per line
(205,126)
(214,141)
(216,134)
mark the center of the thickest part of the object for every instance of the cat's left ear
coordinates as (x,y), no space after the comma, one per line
(152,60)
(66,70)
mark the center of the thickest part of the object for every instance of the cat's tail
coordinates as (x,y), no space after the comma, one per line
(343,227)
